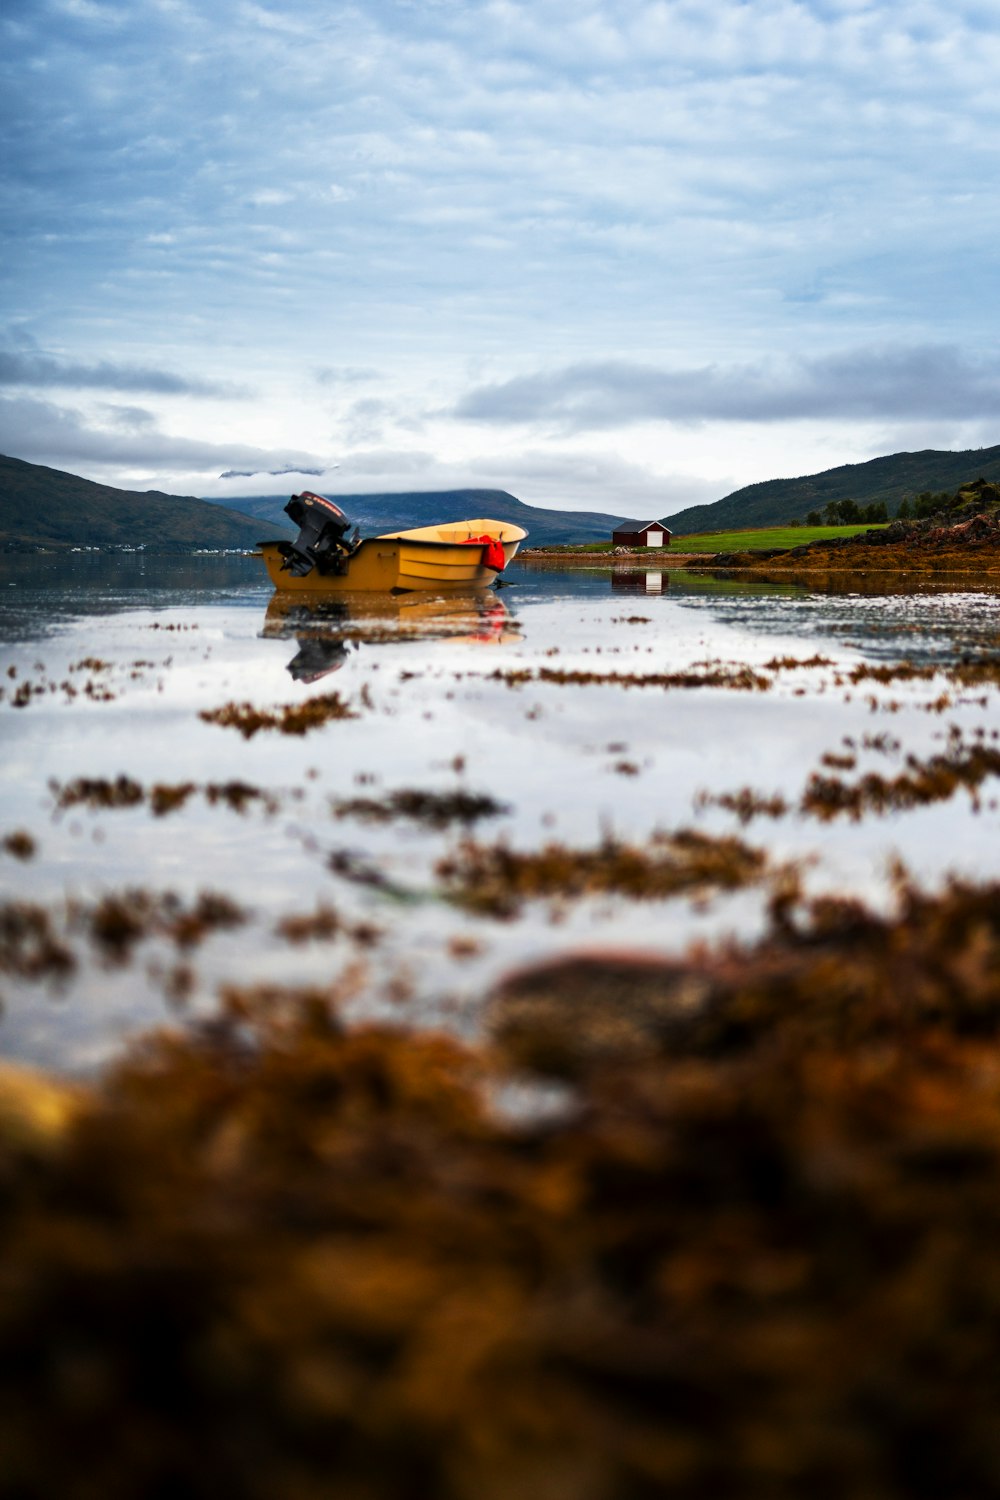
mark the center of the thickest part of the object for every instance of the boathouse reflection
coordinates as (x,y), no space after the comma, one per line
(630,581)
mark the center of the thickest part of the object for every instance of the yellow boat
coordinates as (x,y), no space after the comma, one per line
(452,555)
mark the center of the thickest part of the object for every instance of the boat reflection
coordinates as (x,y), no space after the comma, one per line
(327,629)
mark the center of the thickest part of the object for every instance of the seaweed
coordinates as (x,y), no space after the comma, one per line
(29,946)
(746,804)
(19,844)
(754,1255)
(737,676)
(120,919)
(496,880)
(923,782)
(432,809)
(97,792)
(239,795)
(289,718)
(164,798)
(102,794)
(321,925)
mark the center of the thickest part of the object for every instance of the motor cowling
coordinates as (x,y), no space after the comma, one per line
(322,540)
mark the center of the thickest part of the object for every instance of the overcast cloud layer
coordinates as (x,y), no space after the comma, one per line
(627,255)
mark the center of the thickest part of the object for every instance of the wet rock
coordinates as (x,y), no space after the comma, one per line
(563,1016)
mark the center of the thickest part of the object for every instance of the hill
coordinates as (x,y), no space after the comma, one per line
(48,508)
(896,477)
(395,512)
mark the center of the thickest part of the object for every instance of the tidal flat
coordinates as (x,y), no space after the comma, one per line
(544,1042)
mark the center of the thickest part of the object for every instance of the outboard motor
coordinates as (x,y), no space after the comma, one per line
(322,540)
(316,657)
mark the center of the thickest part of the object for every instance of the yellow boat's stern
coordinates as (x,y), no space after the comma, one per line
(371,568)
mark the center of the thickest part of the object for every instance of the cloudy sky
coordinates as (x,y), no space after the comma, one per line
(618,256)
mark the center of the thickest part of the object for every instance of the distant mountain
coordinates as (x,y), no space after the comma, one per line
(892,479)
(45,507)
(396,512)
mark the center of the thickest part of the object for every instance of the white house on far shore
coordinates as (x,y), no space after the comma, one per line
(641,534)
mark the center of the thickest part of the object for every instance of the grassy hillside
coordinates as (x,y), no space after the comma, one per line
(893,478)
(46,507)
(394,512)
(752,539)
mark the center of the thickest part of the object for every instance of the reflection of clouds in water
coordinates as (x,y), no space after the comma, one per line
(934,624)
(437,714)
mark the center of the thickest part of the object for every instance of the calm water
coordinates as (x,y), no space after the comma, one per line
(107,664)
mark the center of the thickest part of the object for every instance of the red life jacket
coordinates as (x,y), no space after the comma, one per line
(493,556)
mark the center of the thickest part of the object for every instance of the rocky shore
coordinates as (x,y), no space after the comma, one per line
(963,537)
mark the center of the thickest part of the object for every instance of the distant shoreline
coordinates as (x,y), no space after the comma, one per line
(650,559)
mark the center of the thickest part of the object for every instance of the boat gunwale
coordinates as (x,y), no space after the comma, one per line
(416,534)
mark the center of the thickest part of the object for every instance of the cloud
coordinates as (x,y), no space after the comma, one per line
(561,480)
(931,381)
(64,438)
(30,367)
(272,473)
(636,199)
(344,375)
(61,437)
(133,418)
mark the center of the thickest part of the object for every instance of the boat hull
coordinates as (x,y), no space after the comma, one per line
(427,558)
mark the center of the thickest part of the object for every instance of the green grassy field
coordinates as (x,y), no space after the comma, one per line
(736,541)
(774,536)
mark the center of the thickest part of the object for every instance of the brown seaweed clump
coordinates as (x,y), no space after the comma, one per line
(97,792)
(120,919)
(983,671)
(962,767)
(923,782)
(19,844)
(30,946)
(321,925)
(755,1258)
(747,804)
(289,718)
(736,676)
(166,797)
(496,880)
(163,798)
(239,795)
(430,808)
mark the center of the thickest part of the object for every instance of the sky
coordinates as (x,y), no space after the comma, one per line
(618,256)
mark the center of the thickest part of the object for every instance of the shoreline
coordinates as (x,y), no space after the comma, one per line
(610,560)
(901,559)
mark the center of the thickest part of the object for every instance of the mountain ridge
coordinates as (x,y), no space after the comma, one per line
(400,509)
(51,508)
(45,507)
(892,477)
(42,506)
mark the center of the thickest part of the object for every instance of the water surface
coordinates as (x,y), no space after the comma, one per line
(536,696)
